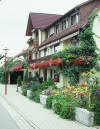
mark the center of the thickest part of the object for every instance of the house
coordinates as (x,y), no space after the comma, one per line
(17,67)
(50,33)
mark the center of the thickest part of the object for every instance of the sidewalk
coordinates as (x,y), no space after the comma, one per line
(36,113)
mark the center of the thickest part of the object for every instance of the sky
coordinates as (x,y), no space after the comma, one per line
(14,16)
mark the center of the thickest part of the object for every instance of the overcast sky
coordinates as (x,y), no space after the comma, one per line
(14,16)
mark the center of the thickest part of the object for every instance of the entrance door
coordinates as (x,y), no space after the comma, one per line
(45,74)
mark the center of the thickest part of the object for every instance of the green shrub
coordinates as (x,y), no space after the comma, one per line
(49,102)
(35,96)
(35,85)
(68,111)
(31,96)
(24,90)
(96,110)
(19,80)
(64,107)
(48,83)
(25,78)
(58,106)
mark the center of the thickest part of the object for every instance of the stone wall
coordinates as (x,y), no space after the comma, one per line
(43,99)
(84,116)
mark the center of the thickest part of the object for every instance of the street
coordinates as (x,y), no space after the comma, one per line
(6,122)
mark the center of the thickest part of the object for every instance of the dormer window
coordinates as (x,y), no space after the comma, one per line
(65,24)
(74,18)
(51,32)
(57,28)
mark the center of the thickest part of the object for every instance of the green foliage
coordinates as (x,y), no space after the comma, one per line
(19,80)
(48,83)
(25,78)
(35,96)
(86,49)
(94,12)
(24,90)
(35,85)
(64,107)
(68,111)
(96,109)
(49,102)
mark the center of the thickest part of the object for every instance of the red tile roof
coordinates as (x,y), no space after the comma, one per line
(70,29)
(78,6)
(40,21)
(63,33)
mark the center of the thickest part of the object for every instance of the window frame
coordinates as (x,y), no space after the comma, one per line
(56,45)
(58,28)
(76,16)
(66,23)
(45,51)
(51,31)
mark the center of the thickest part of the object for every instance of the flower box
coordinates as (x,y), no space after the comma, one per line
(43,99)
(28,92)
(20,89)
(84,116)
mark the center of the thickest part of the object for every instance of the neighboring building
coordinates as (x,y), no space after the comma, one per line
(53,33)
(18,67)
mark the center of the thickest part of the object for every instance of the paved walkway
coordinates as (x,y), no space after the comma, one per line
(33,115)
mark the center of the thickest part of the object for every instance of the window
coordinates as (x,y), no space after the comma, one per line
(51,50)
(75,42)
(65,24)
(56,48)
(74,19)
(51,32)
(36,55)
(56,76)
(45,51)
(57,28)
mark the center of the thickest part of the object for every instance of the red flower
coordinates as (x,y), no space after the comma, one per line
(82,94)
(83,84)
(85,93)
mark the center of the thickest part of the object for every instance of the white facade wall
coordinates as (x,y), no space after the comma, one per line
(96,29)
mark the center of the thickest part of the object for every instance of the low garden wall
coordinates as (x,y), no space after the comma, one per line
(28,92)
(20,90)
(43,99)
(84,116)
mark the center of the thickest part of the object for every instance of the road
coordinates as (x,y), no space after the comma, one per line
(6,122)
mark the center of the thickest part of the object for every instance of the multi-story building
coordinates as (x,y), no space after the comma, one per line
(50,33)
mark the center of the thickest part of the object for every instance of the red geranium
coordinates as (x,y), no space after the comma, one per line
(83,84)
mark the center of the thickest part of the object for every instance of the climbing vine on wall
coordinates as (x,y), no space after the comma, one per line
(82,58)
